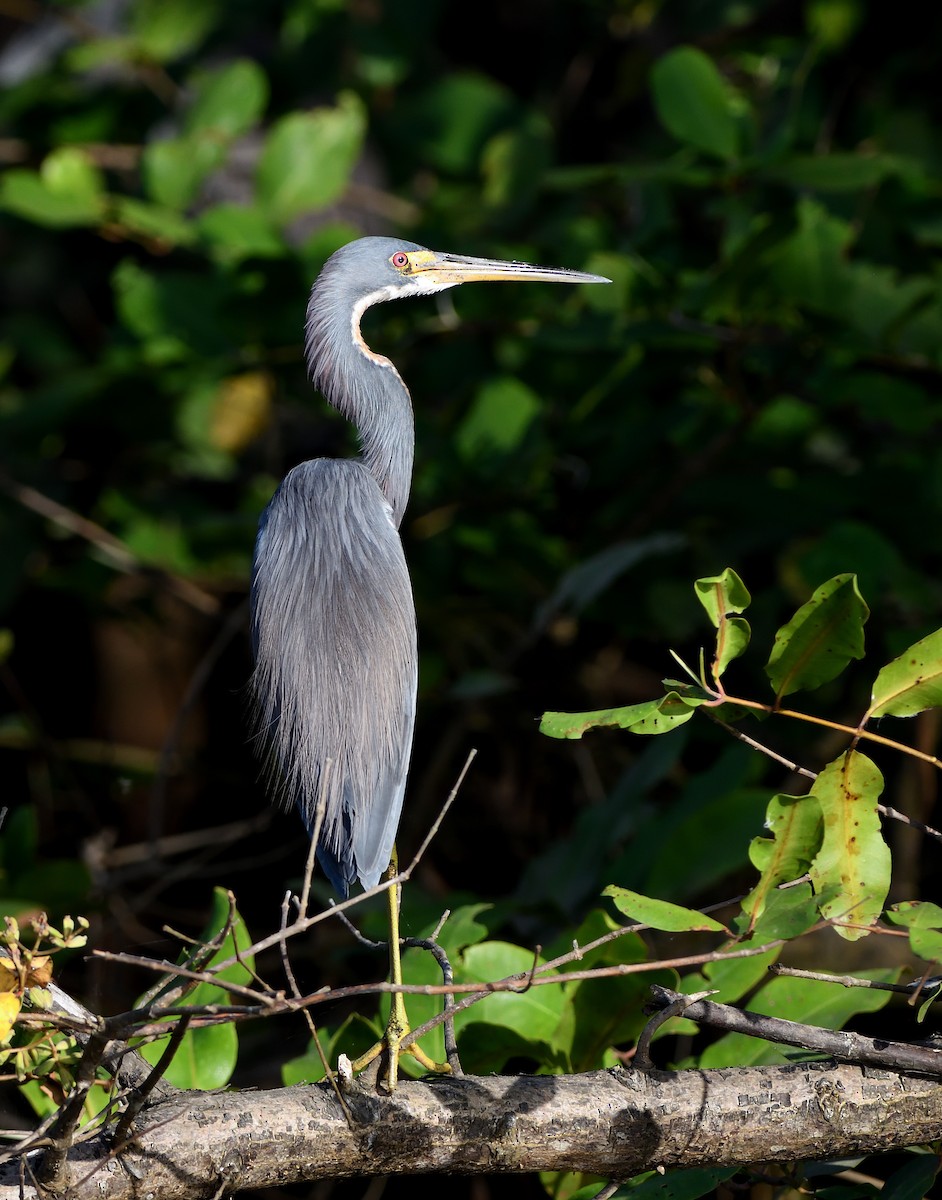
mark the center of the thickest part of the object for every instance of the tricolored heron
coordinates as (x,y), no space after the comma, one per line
(333,622)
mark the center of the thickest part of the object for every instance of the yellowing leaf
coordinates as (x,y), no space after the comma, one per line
(40,971)
(9,1008)
(9,975)
(851,871)
(241,410)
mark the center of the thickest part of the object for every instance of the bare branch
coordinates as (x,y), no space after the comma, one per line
(840,1044)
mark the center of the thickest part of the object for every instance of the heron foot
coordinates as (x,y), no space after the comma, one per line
(390,1048)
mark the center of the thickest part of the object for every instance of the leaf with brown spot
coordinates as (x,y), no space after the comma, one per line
(851,871)
(911,683)
(820,639)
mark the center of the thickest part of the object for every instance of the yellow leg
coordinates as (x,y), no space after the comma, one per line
(397,1027)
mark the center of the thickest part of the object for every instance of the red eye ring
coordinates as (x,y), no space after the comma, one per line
(399,259)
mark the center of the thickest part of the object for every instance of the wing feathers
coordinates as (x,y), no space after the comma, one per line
(333,625)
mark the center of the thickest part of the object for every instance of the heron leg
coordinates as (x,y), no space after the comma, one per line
(397,1027)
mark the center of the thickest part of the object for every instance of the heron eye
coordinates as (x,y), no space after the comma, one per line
(399,259)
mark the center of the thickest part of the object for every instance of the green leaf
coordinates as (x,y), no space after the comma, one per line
(688,1184)
(911,683)
(449,122)
(152,221)
(788,913)
(606,1012)
(167,29)
(924,922)
(502,412)
(722,595)
(661,914)
(913,1180)
(532,1014)
(229,101)
(834,172)
(809,267)
(207,1056)
(731,978)
(353,1037)
(795,824)
(308,156)
(820,639)
(649,717)
(174,169)
(695,103)
(69,171)
(732,640)
(851,871)
(67,191)
(809,1002)
(463,929)
(237,231)
(880,298)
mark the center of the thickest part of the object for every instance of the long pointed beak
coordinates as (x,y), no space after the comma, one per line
(445,269)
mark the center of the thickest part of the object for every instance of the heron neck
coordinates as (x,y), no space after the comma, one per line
(365,387)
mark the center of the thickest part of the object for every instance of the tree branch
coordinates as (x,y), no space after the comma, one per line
(611,1123)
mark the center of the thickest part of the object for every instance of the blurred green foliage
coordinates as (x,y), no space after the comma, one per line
(759,387)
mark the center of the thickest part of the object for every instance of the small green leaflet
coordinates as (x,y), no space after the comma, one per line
(795,824)
(649,717)
(911,683)
(788,913)
(851,871)
(924,922)
(695,103)
(820,639)
(660,914)
(723,596)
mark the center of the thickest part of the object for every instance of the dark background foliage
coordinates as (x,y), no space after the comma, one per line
(759,388)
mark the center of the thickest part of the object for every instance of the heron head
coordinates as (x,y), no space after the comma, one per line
(381,268)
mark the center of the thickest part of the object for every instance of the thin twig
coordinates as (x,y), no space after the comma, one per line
(62,1133)
(436,824)
(169,999)
(315,838)
(113,550)
(922,985)
(609,1190)
(139,1099)
(756,745)
(304,924)
(841,1044)
(884,809)
(438,953)
(837,726)
(895,815)
(642,1056)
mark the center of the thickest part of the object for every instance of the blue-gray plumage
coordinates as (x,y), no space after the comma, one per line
(333,622)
